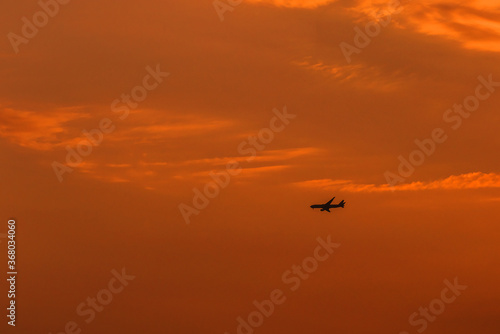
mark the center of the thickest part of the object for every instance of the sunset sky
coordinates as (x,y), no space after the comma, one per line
(307,99)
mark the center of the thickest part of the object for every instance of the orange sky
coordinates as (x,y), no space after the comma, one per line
(119,207)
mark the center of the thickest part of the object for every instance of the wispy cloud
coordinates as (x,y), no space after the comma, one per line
(44,130)
(248,172)
(47,130)
(360,76)
(295,3)
(266,156)
(474,180)
(165,126)
(475,24)
(161,172)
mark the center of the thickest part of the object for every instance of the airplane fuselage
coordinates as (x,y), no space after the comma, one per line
(321,206)
(327,206)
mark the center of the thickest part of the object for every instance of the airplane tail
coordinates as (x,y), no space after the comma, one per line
(342,204)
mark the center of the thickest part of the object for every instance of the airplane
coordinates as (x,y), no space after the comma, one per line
(328,205)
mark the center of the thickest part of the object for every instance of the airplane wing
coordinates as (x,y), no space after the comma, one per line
(330,201)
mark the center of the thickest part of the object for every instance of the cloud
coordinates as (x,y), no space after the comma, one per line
(118,165)
(198,170)
(475,24)
(166,125)
(265,156)
(294,3)
(247,172)
(360,76)
(42,131)
(52,129)
(474,180)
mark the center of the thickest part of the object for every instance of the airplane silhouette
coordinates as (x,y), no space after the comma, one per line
(328,205)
